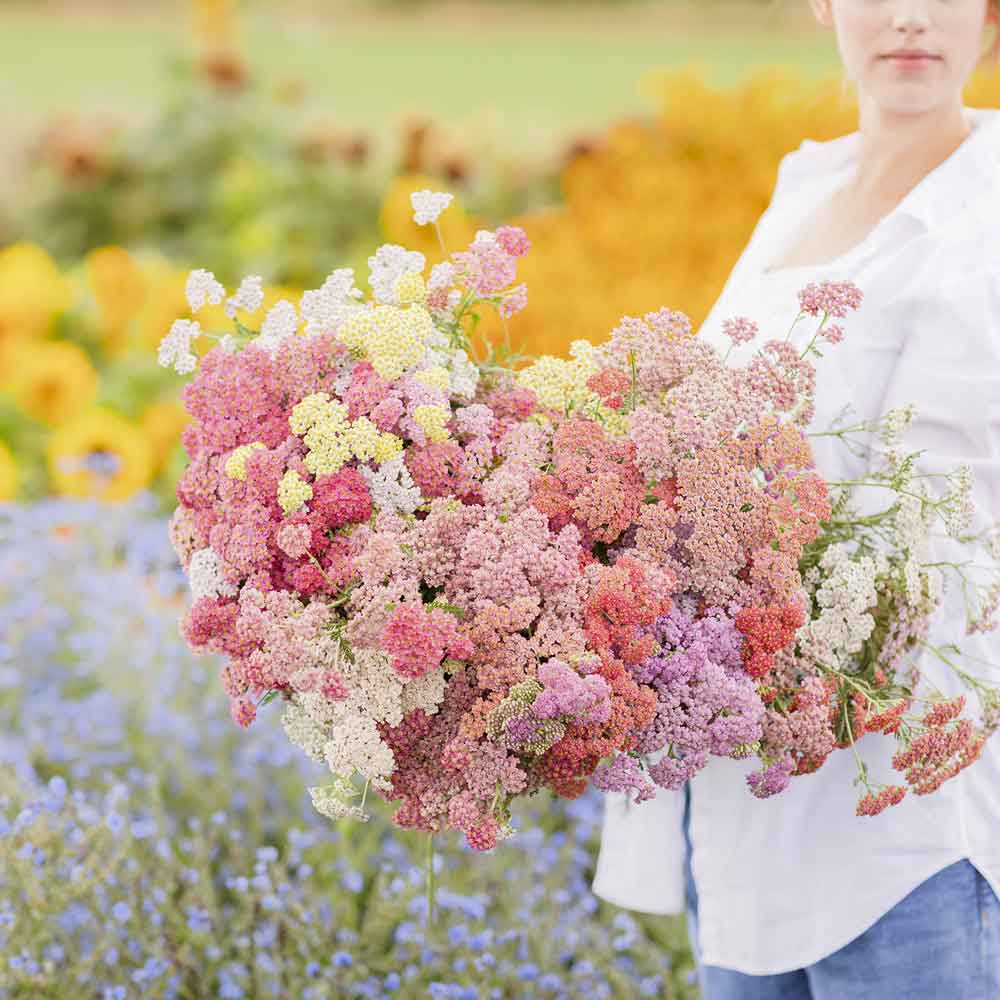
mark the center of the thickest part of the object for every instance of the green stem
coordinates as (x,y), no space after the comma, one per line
(808,347)
(795,322)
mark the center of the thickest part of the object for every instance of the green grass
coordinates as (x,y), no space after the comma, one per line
(527,78)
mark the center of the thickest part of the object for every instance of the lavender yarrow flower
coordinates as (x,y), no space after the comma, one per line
(706,703)
(566,693)
(772,779)
(622,774)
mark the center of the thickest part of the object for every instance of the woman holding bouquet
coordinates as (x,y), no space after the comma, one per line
(795,897)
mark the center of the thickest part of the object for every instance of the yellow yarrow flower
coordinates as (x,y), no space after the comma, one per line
(322,422)
(53,381)
(329,448)
(8,473)
(99,454)
(363,438)
(616,425)
(558,383)
(433,421)
(393,339)
(293,491)
(585,352)
(333,440)
(388,447)
(436,377)
(410,287)
(236,464)
(312,410)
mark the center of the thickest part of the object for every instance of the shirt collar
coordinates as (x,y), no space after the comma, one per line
(966,175)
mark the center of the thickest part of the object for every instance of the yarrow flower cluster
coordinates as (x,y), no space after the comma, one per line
(468,583)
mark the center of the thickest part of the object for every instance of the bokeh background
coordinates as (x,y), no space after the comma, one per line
(148,848)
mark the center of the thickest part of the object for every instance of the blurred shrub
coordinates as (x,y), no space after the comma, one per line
(241,179)
(210,177)
(151,848)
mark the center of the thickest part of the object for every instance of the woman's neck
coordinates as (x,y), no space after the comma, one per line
(896,152)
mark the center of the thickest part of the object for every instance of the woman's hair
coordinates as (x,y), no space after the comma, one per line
(991,57)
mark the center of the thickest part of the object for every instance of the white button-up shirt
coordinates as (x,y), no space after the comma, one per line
(785,881)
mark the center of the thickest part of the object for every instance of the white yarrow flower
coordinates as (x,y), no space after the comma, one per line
(305,733)
(279,324)
(332,801)
(910,526)
(175,348)
(355,746)
(389,263)
(464,376)
(248,297)
(205,576)
(484,237)
(392,486)
(895,422)
(958,508)
(201,288)
(846,591)
(442,276)
(428,205)
(326,308)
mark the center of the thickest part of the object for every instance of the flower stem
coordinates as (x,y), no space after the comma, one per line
(430,882)
(437,229)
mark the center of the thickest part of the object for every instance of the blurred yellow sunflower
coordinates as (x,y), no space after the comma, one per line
(52,381)
(118,286)
(32,294)
(396,219)
(162,423)
(165,302)
(8,473)
(101,455)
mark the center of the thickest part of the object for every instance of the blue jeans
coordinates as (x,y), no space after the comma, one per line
(941,942)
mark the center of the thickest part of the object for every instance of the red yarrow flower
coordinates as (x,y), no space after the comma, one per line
(766,630)
(874,803)
(611,385)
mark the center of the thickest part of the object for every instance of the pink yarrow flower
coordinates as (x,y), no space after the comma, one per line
(835,298)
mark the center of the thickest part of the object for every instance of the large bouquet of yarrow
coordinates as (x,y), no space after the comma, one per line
(471,579)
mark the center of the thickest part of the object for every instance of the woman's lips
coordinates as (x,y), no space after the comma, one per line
(910,58)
